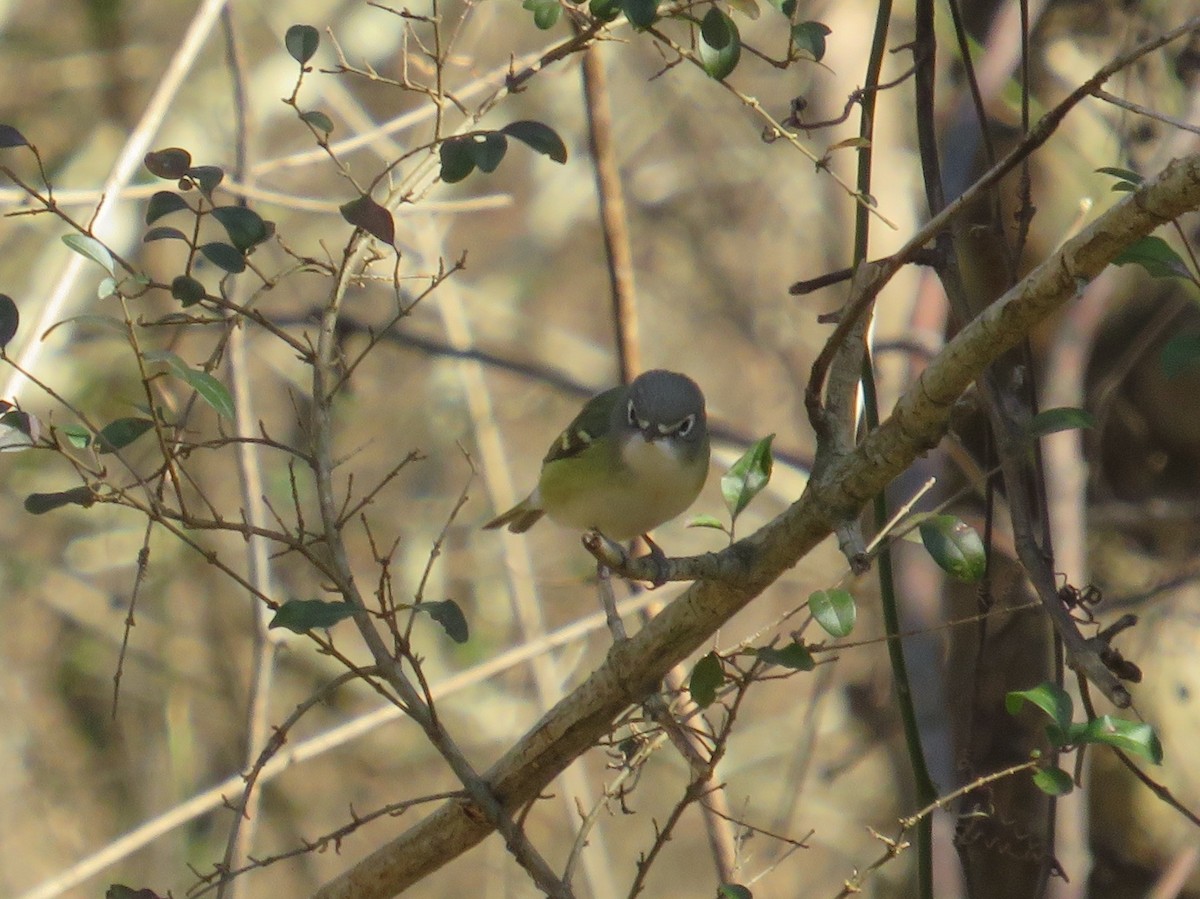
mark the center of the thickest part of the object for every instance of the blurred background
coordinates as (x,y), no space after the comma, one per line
(482,374)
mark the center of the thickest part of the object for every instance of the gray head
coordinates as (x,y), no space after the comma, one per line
(664,404)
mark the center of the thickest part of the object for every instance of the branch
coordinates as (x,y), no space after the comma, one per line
(633,669)
(1037,136)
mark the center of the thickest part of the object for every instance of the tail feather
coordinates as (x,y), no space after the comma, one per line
(518,519)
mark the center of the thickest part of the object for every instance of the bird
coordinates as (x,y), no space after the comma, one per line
(635,457)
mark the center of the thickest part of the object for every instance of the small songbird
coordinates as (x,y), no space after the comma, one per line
(633,458)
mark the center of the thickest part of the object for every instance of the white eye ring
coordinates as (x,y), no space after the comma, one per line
(631,415)
(685,427)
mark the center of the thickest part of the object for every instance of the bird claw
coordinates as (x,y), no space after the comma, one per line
(614,556)
(662,569)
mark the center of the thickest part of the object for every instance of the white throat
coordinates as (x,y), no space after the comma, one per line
(652,458)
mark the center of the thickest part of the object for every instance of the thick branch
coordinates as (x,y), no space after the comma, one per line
(634,668)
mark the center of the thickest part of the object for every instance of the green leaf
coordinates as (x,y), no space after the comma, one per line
(100,321)
(1132,737)
(809,37)
(733,891)
(164,232)
(539,137)
(120,433)
(77,436)
(41,503)
(223,256)
(834,610)
(706,677)
(206,177)
(106,288)
(640,13)
(1179,354)
(488,148)
(11,137)
(720,44)
(209,389)
(1047,696)
(850,143)
(748,8)
(787,7)
(1053,781)
(605,10)
(92,249)
(457,155)
(706,521)
(1064,418)
(365,213)
(302,615)
(302,42)
(448,614)
(1156,256)
(795,656)
(955,546)
(171,163)
(10,319)
(164,203)
(187,290)
(1126,179)
(18,430)
(747,477)
(545,12)
(1060,737)
(120,891)
(318,120)
(245,227)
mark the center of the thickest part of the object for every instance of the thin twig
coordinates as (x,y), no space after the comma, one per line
(1038,135)
(1181,124)
(139,578)
(243,809)
(701,784)
(614,222)
(1159,790)
(166,88)
(777,129)
(895,846)
(259,740)
(314,747)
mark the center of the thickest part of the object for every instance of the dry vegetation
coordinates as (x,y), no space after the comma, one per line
(507,325)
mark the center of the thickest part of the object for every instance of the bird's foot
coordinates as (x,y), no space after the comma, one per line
(616,557)
(661,569)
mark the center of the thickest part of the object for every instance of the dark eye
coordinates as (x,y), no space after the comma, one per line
(631,415)
(685,427)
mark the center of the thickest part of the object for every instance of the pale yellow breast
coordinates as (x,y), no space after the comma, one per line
(655,489)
